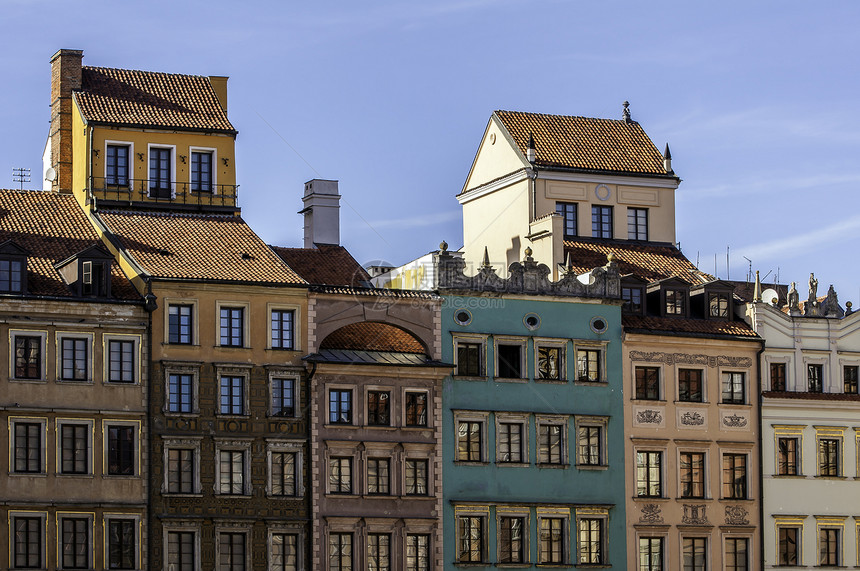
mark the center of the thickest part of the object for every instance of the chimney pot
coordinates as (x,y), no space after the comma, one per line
(322,213)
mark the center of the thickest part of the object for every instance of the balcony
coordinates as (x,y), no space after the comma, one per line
(159,194)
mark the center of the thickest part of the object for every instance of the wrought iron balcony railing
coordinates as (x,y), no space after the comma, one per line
(163,192)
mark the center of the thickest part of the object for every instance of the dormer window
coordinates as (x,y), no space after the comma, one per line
(88,272)
(718,305)
(13,268)
(93,274)
(676,302)
(632,297)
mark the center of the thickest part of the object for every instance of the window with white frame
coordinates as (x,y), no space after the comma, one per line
(74,446)
(550,361)
(510,358)
(182,466)
(551,440)
(28,445)
(73,357)
(202,176)
(470,357)
(181,393)
(283,390)
(27,540)
(121,359)
(28,355)
(471,538)
(121,447)
(75,531)
(416,408)
(182,547)
(122,541)
(233,552)
(232,394)
(417,552)
(416,476)
(591,441)
(117,164)
(379,552)
(552,538)
(232,323)
(284,551)
(283,328)
(232,467)
(180,323)
(340,406)
(471,429)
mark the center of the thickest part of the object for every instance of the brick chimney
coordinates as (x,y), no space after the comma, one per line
(65,78)
(322,213)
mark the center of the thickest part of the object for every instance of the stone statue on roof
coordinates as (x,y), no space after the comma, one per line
(793,298)
(813,288)
(831,303)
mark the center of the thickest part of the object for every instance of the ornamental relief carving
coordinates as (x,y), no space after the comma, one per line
(651,513)
(695,514)
(735,421)
(737,515)
(694,359)
(692,418)
(649,416)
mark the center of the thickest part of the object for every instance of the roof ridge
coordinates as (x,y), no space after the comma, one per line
(99,67)
(172,214)
(631,122)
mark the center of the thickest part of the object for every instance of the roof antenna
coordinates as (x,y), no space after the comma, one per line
(21,175)
(749,273)
(626,113)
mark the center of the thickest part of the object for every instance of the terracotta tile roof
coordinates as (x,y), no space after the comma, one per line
(150,99)
(372,336)
(52,228)
(197,247)
(324,265)
(346,356)
(376,292)
(810,396)
(651,262)
(692,327)
(585,143)
(744,290)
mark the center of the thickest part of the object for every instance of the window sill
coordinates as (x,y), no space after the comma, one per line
(470,463)
(501,463)
(28,380)
(510,380)
(121,383)
(593,566)
(178,414)
(416,497)
(596,467)
(591,383)
(121,476)
(234,496)
(189,345)
(344,495)
(693,499)
(75,382)
(790,476)
(28,475)
(282,349)
(734,500)
(472,564)
(700,403)
(231,347)
(551,382)
(514,565)
(228,416)
(832,478)
(414,428)
(342,425)
(552,465)
(641,400)
(651,498)
(182,495)
(470,378)
(82,476)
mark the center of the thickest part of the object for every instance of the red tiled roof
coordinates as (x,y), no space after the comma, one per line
(324,265)
(810,396)
(197,247)
(150,99)
(372,336)
(651,262)
(585,143)
(704,327)
(51,227)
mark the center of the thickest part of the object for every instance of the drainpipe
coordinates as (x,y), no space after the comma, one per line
(531,156)
(760,459)
(150,306)
(89,181)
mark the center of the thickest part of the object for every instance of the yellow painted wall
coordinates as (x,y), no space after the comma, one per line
(495,158)
(499,221)
(79,153)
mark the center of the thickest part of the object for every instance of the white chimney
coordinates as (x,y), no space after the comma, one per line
(322,212)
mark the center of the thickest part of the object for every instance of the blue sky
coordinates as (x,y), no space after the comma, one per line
(757,101)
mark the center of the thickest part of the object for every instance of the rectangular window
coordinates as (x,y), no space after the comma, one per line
(340,552)
(510,442)
(340,475)
(231,472)
(179,393)
(201,171)
(122,544)
(695,553)
(73,359)
(181,478)
(718,305)
(469,361)
(650,554)
(416,477)
(777,377)
(550,444)
(849,377)
(28,447)
(588,365)
(121,450)
(416,409)
(75,543)
(647,383)
(590,446)
(737,554)
(232,326)
(417,552)
(29,542)
(632,297)
(509,359)
(788,542)
(378,552)
(551,540)
(828,544)
(179,324)
(231,552)
(591,541)
(693,474)
(340,406)
(181,551)
(735,476)
(116,165)
(283,332)
(690,385)
(285,552)
(232,395)
(828,457)
(637,223)
(378,470)
(567,210)
(160,177)
(378,408)
(120,361)
(469,436)
(470,539)
(74,445)
(28,357)
(676,302)
(734,386)
(601,221)
(283,397)
(815,376)
(11,276)
(283,473)
(786,457)
(550,362)
(511,540)
(649,476)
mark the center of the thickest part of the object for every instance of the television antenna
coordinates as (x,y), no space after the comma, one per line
(21,175)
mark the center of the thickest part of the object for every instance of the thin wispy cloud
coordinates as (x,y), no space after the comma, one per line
(416,221)
(801,244)
(769,185)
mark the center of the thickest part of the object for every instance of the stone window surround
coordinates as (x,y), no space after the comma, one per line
(58,433)
(523,419)
(482,417)
(186,442)
(277,373)
(58,340)
(561,420)
(195,319)
(561,344)
(601,422)
(234,370)
(284,445)
(223,526)
(43,437)
(522,342)
(515,511)
(472,339)
(542,513)
(136,360)
(788,431)
(245,306)
(706,469)
(602,514)
(297,320)
(234,445)
(136,435)
(43,334)
(182,368)
(594,345)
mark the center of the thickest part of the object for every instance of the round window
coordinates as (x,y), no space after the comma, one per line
(531,321)
(598,325)
(463,317)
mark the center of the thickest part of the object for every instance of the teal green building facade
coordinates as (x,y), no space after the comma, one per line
(533,453)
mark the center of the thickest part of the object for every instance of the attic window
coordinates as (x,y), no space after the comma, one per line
(632,297)
(718,305)
(676,302)
(12,271)
(94,278)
